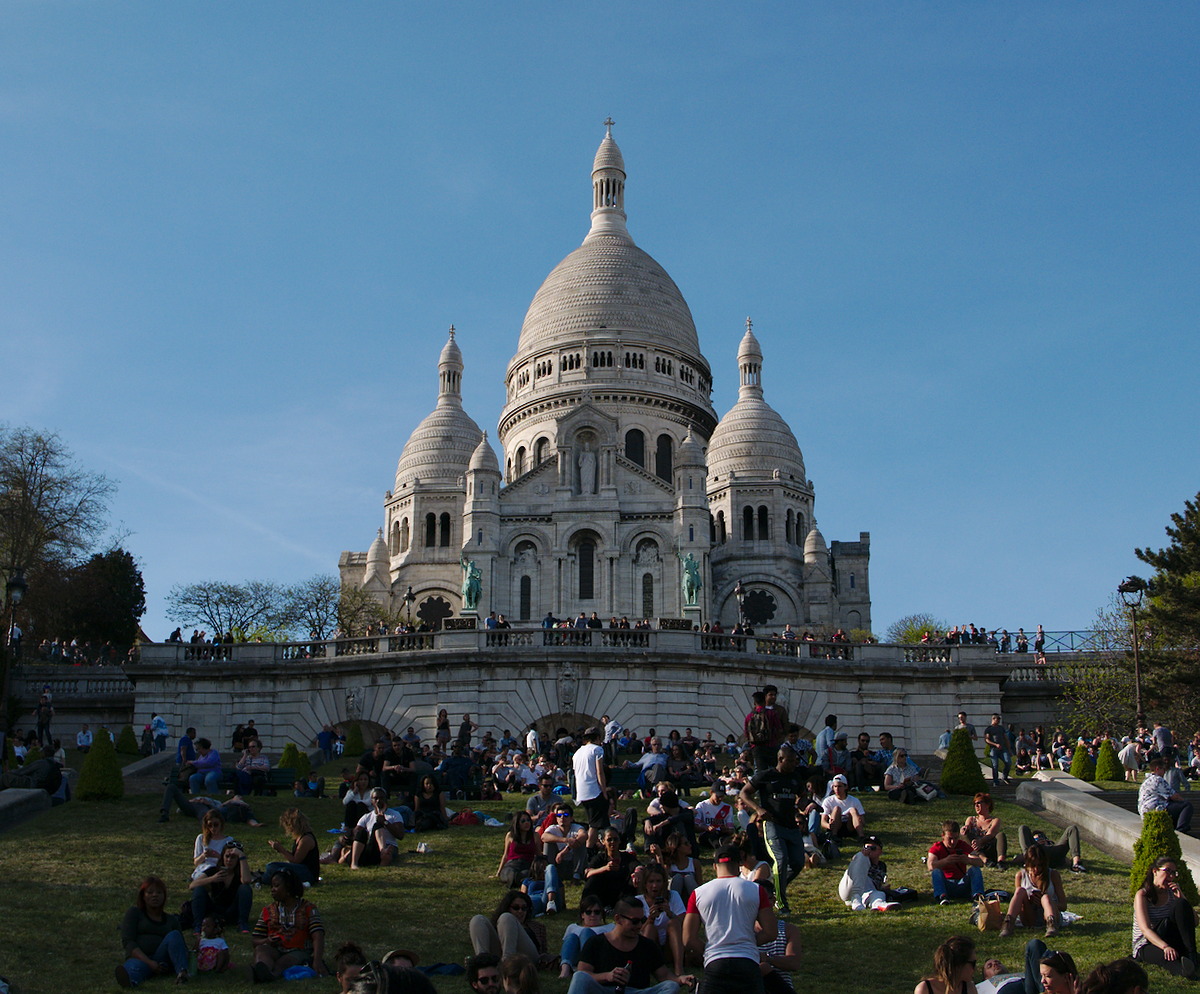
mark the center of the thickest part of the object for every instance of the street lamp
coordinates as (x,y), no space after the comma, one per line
(409,597)
(14,591)
(1131,590)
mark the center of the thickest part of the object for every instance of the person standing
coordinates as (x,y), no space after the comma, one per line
(728,908)
(591,787)
(772,795)
(996,740)
(159,731)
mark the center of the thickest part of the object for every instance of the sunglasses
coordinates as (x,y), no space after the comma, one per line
(635,922)
(593,911)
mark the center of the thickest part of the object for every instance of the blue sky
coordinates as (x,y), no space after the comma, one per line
(233,237)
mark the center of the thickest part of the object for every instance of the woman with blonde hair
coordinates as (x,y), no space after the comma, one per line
(210,843)
(953,968)
(304,856)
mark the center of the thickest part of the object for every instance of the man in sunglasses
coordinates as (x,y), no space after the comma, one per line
(483,973)
(624,958)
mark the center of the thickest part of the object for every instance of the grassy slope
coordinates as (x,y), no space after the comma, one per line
(67,877)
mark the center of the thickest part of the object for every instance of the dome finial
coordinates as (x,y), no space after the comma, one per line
(749,364)
(608,187)
(608,125)
(749,324)
(450,369)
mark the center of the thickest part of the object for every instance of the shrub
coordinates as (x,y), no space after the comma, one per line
(1158,838)
(127,743)
(355,746)
(100,779)
(961,773)
(294,759)
(1082,765)
(1108,766)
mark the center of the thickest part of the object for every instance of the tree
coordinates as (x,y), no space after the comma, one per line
(313,605)
(911,627)
(1081,764)
(1098,694)
(127,742)
(51,509)
(961,772)
(256,608)
(99,600)
(357,609)
(1174,605)
(1108,765)
(101,779)
(1158,838)
(295,760)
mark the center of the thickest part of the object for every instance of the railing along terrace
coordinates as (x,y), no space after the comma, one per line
(101,682)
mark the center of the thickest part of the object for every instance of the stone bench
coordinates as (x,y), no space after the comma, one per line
(18,803)
(1068,799)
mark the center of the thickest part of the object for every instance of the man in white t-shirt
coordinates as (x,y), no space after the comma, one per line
(842,815)
(83,739)
(590,783)
(714,819)
(728,907)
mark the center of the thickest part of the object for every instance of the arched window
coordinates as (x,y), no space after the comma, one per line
(444,538)
(520,464)
(430,530)
(404,535)
(662,457)
(747,524)
(395,538)
(540,448)
(763,531)
(586,557)
(635,447)
(721,527)
(647,595)
(787,528)
(851,581)
(526,609)
(712,530)
(691,533)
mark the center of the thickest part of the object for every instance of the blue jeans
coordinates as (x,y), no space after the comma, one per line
(585,983)
(172,952)
(205,783)
(202,905)
(998,756)
(572,946)
(970,885)
(303,874)
(551,884)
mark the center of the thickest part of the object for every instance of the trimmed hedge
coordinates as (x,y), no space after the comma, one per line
(1158,838)
(1108,766)
(294,759)
(127,743)
(101,779)
(355,746)
(961,773)
(1082,765)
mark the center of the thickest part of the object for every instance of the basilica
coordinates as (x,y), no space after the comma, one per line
(618,491)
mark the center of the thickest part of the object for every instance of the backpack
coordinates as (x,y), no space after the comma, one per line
(759,727)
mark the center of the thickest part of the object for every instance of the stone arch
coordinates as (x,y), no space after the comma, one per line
(587,566)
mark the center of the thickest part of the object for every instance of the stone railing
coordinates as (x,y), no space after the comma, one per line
(70,683)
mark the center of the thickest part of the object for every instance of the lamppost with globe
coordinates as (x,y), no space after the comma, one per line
(1131,590)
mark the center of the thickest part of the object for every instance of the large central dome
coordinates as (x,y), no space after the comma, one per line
(610,287)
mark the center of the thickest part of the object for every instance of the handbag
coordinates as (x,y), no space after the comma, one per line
(926,791)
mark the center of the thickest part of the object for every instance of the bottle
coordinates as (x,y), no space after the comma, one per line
(620,988)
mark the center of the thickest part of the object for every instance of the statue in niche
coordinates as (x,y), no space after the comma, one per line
(690,580)
(472,586)
(647,553)
(587,469)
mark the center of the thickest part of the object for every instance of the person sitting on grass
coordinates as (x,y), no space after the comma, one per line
(289,932)
(591,923)
(624,959)
(348,962)
(375,837)
(841,814)
(686,874)
(520,847)
(1122,976)
(519,975)
(564,842)
(1038,895)
(953,869)
(206,854)
(953,967)
(151,938)
(430,804)
(982,831)
(664,910)
(224,891)
(1056,852)
(303,857)
(608,874)
(511,929)
(1164,923)
(212,951)
(864,884)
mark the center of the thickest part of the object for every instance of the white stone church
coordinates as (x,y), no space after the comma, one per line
(620,491)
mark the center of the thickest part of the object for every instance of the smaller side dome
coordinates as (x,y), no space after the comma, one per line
(691,452)
(378,552)
(816,552)
(483,459)
(608,155)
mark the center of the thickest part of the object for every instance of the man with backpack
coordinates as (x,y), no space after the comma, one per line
(764,730)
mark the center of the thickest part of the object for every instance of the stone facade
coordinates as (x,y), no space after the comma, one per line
(616,471)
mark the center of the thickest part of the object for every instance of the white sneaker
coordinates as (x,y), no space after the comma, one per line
(551,906)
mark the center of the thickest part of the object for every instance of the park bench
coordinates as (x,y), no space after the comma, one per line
(280,779)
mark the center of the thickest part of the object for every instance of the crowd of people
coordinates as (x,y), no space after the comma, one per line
(725,828)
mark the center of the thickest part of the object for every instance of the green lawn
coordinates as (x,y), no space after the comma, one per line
(67,877)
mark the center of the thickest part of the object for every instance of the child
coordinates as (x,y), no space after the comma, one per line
(212,953)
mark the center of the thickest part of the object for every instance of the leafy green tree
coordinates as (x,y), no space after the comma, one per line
(99,600)
(357,610)
(294,759)
(1174,605)
(961,772)
(1158,838)
(1108,766)
(313,605)
(911,627)
(1081,764)
(1098,694)
(101,779)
